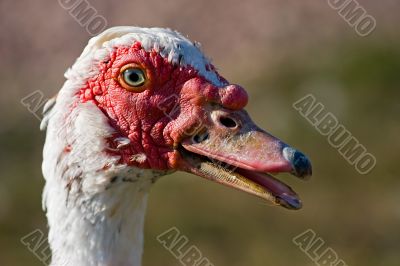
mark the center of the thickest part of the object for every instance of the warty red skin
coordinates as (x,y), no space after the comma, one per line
(175,103)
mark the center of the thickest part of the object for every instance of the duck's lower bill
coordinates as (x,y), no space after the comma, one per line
(262,185)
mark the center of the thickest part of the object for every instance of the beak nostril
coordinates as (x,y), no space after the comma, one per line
(201,137)
(227,122)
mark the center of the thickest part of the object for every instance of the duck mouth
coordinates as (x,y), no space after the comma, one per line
(239,154)
(261,184)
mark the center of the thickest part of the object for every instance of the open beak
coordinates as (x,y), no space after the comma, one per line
(230,149)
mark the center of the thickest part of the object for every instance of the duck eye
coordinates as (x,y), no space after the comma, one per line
(134,77)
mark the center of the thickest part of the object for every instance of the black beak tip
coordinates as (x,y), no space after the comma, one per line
(301,164)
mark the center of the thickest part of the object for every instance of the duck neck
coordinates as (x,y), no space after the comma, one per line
(101,229)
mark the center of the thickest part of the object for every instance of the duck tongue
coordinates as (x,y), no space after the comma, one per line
(283,193)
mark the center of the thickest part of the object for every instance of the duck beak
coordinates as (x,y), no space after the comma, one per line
(233,151)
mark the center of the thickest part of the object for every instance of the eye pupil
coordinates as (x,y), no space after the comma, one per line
(133,76)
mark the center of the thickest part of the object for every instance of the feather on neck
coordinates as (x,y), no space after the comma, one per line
(95,214)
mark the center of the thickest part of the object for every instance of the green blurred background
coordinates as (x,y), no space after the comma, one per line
(279,51)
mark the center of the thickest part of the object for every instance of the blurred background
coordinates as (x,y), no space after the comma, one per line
(279,51)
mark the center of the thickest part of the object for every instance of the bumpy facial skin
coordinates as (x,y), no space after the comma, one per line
(173,103)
